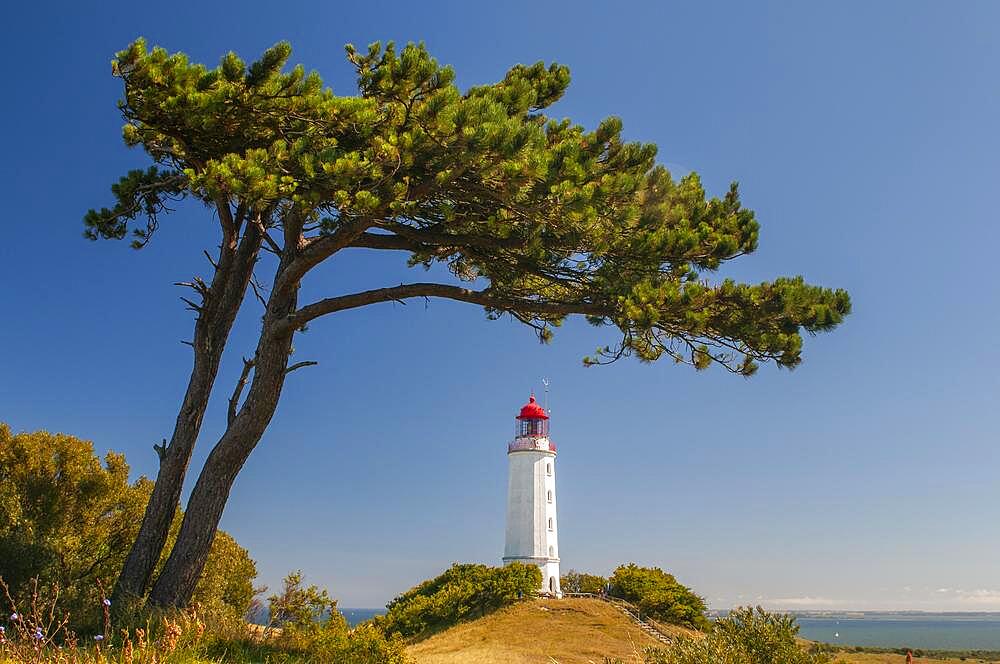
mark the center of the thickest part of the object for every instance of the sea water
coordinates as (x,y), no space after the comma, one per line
(949,631)
(352,616)
(355,616)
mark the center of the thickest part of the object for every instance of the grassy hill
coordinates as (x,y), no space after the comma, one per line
(567,631)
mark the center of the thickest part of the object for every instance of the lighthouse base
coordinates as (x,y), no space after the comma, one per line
(550,572)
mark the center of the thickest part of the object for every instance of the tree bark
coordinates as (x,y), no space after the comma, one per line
(221,302)
(177,581)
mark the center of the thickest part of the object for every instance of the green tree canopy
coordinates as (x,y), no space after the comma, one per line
(581,582)
(745,636)
(536,217)
(659,595)
(68,521)
(461,592)
(311,625)
(553,219)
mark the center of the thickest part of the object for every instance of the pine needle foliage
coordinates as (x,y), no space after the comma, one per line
(547,217)
(535,217)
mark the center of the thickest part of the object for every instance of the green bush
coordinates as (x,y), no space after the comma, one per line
(580,582)
(745,636)
(69,520)
(312,627)
(302,613)
(461,592)
(365,644)
(659,595)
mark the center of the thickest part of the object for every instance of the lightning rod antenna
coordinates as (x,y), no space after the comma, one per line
(545,382)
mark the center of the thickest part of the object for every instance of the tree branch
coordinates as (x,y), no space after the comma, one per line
(272,246)
(429,242)
(211,260)
(426,236)
(229,227)
(405,291)
(299,365)
(257,288)
(318,250)
(191,305)
(196,284)
(383,241)
(240,384)
(161,450)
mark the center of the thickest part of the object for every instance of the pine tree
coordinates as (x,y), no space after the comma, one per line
(536,218)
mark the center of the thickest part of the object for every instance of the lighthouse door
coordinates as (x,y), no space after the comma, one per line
(552,585)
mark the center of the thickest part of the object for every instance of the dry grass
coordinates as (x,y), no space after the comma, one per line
(566,631)
(569,631)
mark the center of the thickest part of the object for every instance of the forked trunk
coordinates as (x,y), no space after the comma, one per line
(220,305)
(176,583)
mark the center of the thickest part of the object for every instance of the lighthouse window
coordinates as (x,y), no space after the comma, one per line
(548,469)
(550,523)
(532,427)
(552,551)
(550,495)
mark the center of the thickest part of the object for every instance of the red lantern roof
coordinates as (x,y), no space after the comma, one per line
(532,411)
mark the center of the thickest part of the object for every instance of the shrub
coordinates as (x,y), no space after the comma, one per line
(226,584)
(37,633)
(365,644)
(745,636)
(302,613)
(461,592)
(312,626)
(580,582)
(659,595)
(69,520)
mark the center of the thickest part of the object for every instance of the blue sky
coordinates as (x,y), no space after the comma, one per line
(864,135)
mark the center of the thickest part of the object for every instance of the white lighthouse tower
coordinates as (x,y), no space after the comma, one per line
(532,535)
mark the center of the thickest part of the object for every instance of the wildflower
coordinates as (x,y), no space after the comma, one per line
(98,637)
(14,617)
(38,633)
(107,602)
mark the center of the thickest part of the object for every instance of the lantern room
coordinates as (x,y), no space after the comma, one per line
(532,421)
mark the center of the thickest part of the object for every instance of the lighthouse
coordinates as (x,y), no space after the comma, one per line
(532,535)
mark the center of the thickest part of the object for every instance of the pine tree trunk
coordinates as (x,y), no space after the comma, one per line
(220,305)
(183,568)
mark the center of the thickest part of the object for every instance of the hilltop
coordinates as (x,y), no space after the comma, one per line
(571,631)
(567,631)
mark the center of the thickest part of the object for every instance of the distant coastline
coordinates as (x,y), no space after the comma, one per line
(929,630)
(847,613)
(956,631)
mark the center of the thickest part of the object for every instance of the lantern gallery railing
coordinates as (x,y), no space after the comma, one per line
(531,444)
